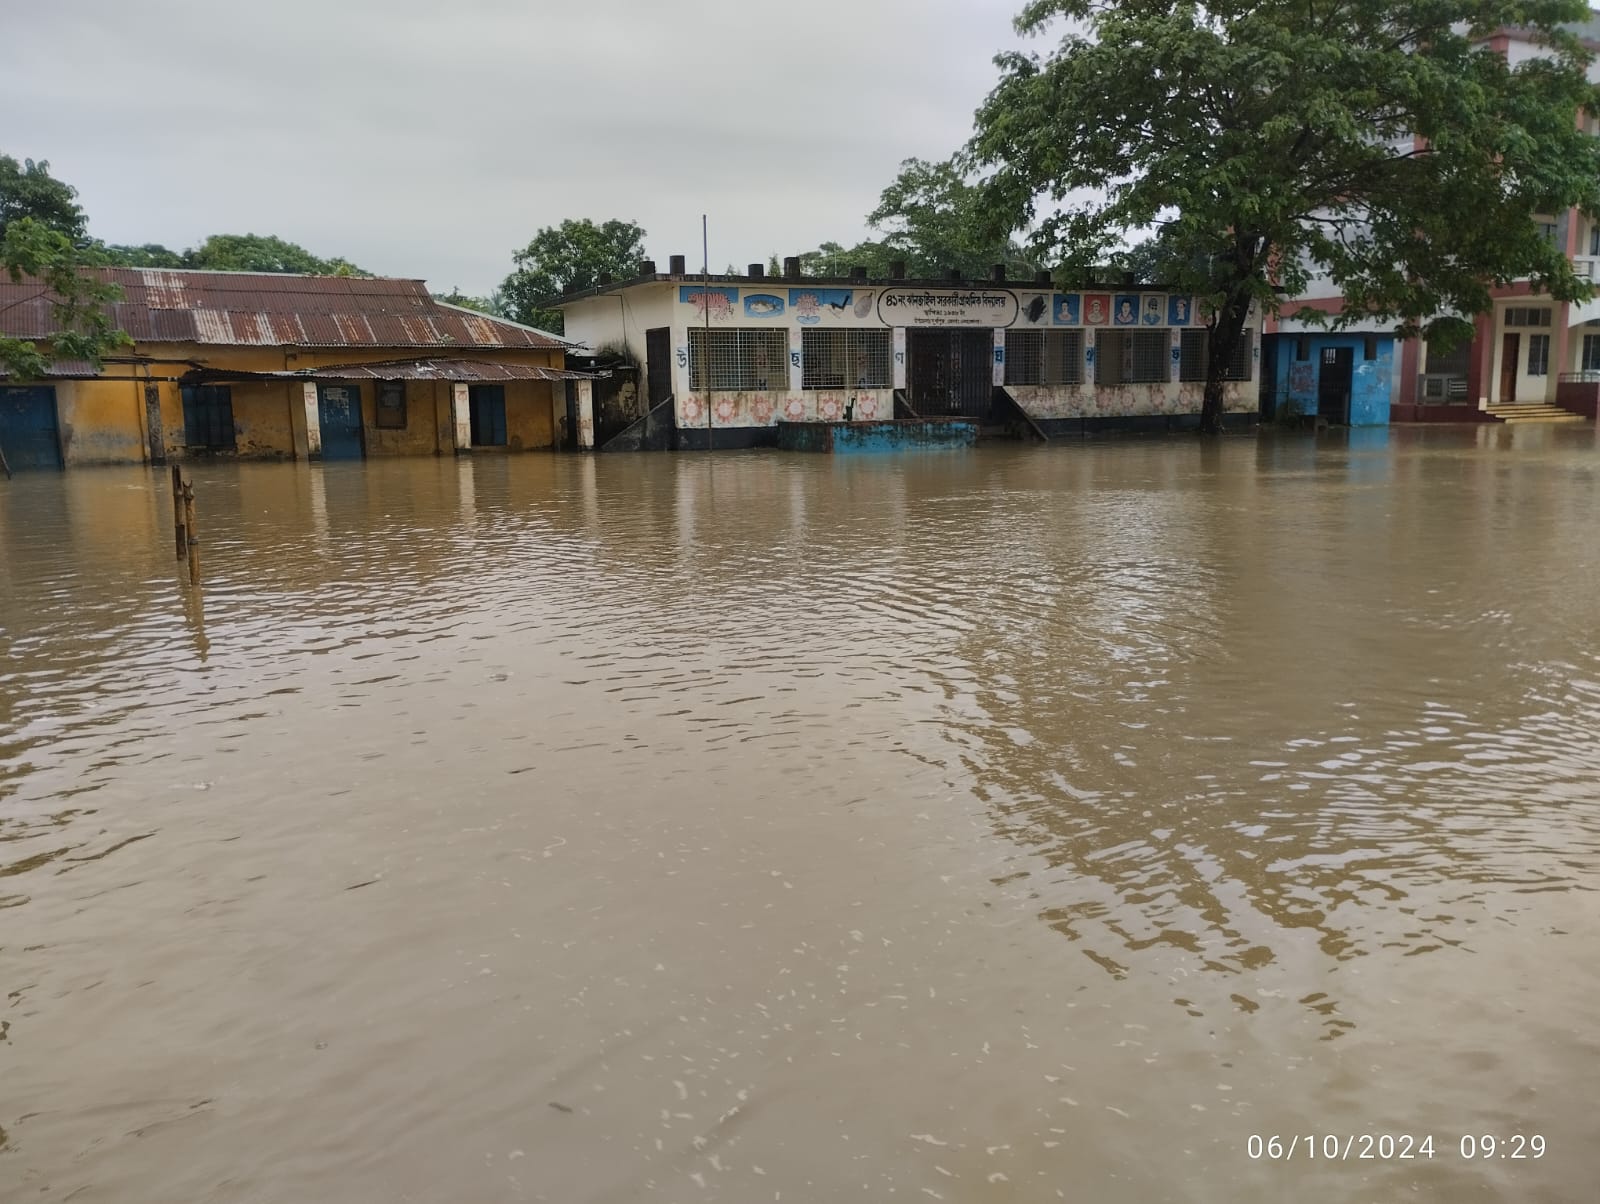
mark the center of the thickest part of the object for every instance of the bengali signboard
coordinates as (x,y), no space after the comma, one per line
(947,307)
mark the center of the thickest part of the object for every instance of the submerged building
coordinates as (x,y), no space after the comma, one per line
(285,367)
(724,359)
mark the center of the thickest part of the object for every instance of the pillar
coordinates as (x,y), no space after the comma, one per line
(585,415)
(308,397)
(155,432)
(461,417)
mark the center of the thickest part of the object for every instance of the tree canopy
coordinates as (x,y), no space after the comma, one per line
(42,236)
(234,253)
(27,189)
(573,255)
(932,218)
(1378,144)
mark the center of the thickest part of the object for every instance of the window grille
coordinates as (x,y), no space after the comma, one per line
(1191,361)
(1522,315)
(1591,353)
(1131,357)
(1538,355)
(1243,356)
(1302,348)
(208,417)
(1044,357)
(846,359)
(1449,363)
(738,359)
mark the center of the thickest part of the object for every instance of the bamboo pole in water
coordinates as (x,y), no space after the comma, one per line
(180,537)
(3,465)
(189,530)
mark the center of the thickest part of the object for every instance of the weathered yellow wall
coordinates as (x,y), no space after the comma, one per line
(528,415)
(103,421)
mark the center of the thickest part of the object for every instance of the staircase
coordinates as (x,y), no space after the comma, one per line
(1531,411)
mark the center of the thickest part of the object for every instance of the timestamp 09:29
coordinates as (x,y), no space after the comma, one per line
(1351,1147)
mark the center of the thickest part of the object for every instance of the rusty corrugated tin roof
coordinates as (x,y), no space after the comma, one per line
(433,368)
(65,370)
(250,309)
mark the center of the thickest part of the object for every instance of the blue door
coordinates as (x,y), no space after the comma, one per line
(487,408)
(28,434)
(339,407)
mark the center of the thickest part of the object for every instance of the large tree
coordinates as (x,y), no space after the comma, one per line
(27,189)
(264,253)
(1381,143)
(932,219)
(42,238)
(573,255)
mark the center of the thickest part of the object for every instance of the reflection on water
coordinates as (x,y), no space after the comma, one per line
(1039,823)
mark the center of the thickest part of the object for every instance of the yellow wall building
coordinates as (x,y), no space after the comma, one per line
(286,367)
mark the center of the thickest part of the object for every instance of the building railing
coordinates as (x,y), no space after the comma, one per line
(1441,388)
(1588,376)
(1583,266)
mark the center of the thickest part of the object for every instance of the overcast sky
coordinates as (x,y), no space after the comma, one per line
(429,139)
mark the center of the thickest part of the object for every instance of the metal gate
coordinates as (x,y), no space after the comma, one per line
(950,373)
(339,416)
(28,432)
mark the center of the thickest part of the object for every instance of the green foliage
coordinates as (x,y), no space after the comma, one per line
(572,255)
(28,190)
(147,255)
(933,219)
(484,305)
(936,219)
(31,248)
(263,253)
(1369,141)
(230,253)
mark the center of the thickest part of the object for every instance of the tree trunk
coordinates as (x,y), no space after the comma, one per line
(1223,339)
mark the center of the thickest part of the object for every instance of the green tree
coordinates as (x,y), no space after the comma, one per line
(484,305)
(147,255)
(573,255)
(1378,142)
(42,239)
(79,298)
(28,190)
(936,219)
(263,253)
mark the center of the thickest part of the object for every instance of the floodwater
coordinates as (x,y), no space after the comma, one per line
(1028,824)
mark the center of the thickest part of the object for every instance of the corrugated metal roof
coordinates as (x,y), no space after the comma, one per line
(65,370)
(454,370)
(249,309)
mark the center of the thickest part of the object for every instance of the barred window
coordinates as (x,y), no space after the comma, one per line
(1044,357)
(738,359)
(1195,351)
(1192,355)
(1131,357)
(846,359)
(1243,357)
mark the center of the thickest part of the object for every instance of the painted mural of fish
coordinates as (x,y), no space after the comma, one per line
(763,306)
(1035,309)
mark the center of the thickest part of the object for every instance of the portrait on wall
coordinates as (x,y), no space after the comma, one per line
(1068,309)
(1127,311)
(1096,310)
(1153,312)
(1180,311)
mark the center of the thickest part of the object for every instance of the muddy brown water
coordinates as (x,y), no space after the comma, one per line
(1021,825)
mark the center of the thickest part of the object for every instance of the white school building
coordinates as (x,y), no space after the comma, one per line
(734,355)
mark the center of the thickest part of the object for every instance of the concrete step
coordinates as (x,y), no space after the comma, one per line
(1531,412)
